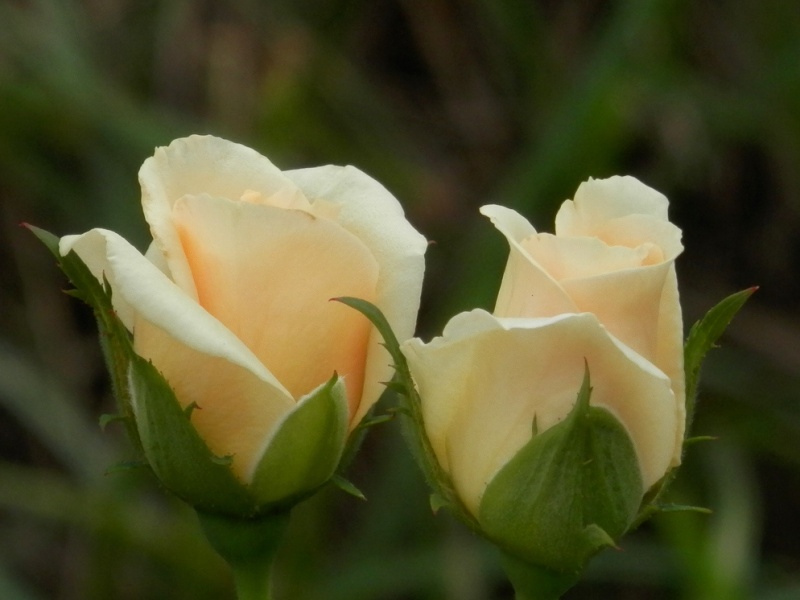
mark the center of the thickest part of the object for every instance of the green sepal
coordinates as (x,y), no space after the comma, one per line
(703,336)
(305,450)
(410,409)
(570,491)
(107,419)
(665,508)
(691,441)
(127,465)
(115,340)
(437,503)
(348,487)
(177,454)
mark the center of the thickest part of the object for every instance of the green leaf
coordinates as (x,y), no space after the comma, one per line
(306,449)
(177,454)
(702,337)
(568,492)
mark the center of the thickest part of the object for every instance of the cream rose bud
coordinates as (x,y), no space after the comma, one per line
(490,387)
(231,302)
(612,255)
(549,474)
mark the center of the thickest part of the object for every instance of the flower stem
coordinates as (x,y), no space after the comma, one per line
(248,546)
(534,582)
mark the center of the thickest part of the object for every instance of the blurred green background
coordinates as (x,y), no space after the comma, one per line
(451,104)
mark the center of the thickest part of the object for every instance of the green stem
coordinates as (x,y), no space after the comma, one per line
(248,546)
(533,582)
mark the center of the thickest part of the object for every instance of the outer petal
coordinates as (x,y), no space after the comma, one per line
(600,200)
(269,273)
(485,380)
(527,288)
(627,303)
(200,165)
(373,215)
(201,359)
(621,211)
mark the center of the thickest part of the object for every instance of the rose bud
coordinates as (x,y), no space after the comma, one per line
(252,365)
(550,419)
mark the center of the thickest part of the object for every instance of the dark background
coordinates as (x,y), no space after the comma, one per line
(451,104)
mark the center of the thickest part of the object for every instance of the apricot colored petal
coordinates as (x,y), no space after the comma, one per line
(91,248)
(374,216)
(200,165)
(269,273)
(600,200)
(627,303)
(486,379)
(527,288)
(579,257)
(239,401)
(669,351)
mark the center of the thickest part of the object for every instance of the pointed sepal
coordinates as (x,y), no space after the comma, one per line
(410,409)
(569,492)
(115,340)
(703,336)
(307,447)
(177,454)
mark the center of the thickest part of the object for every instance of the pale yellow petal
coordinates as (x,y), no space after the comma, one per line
(236,413)
(91,249)
(373,215)
(269,273)
(600,200)
(201,165)
(527,289)
(240,401)
(628,304)
(580,257)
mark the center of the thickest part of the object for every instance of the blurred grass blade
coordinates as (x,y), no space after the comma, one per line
(52,415)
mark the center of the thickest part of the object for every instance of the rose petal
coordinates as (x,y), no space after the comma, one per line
(200,358)
(527,288)
(200,165)
(374,216)
(564,258)
(484,381)
(600,200)
(269,273)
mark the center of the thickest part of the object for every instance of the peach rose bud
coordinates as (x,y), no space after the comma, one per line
(242,380)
